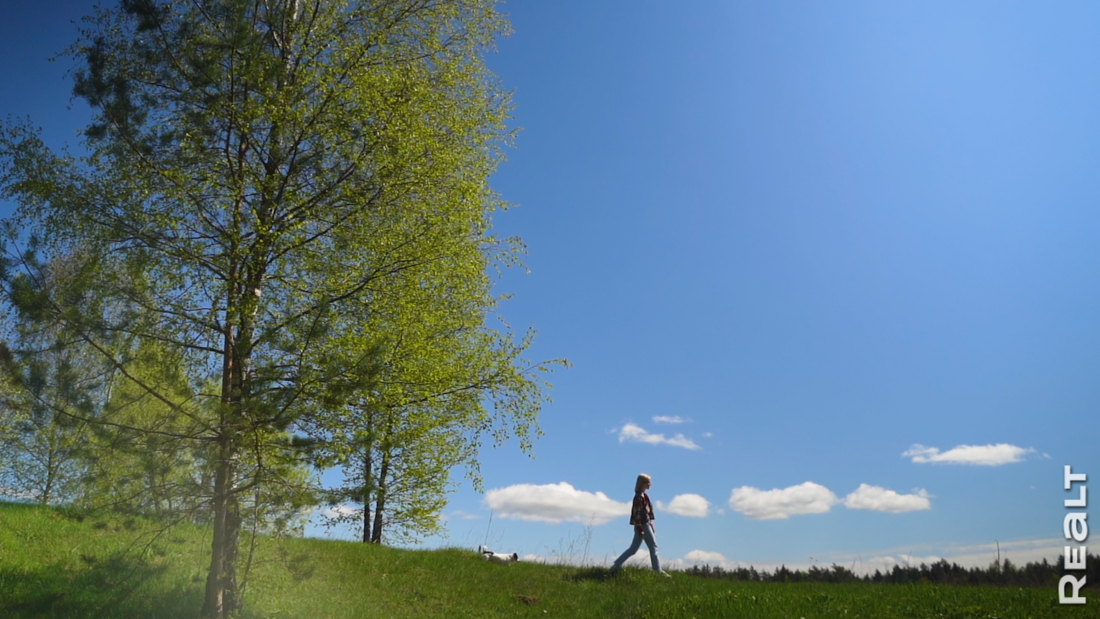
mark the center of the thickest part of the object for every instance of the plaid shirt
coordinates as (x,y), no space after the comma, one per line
(641,511)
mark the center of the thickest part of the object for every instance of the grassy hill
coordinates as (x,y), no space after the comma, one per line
(61,564)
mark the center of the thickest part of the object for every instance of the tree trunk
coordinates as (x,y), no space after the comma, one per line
(47,492)
(232,601)
(380,492)
(221,598)
(367,495)
(368,476)
(222,571)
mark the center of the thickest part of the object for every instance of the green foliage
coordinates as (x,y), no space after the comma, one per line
(290,199)
(49,388)
(135,460)
(440,381)
(38,457)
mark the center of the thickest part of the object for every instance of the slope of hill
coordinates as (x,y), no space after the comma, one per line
(65,564)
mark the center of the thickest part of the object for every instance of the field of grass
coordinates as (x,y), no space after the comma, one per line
(56,563)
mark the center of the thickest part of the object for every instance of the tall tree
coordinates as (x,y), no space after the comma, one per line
(258,171)
(441,380)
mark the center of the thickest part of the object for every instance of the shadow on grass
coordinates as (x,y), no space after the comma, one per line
(118,586)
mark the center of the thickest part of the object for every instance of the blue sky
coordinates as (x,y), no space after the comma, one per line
(822,236)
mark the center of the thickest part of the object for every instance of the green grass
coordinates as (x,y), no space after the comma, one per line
(58,563)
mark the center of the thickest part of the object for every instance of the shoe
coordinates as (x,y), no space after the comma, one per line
(664,573)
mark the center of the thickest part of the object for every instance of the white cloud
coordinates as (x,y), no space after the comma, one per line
(554,503)
(880,499)
(637,434)
(806,498)
(340,511)
(884,560)
(703,557)
(983,455)
(669,419)
(1018,551)
(691,505)
(971,555)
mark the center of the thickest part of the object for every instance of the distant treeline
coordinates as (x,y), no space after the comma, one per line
(999,573)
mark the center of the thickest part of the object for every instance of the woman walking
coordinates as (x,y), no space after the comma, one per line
(641,517)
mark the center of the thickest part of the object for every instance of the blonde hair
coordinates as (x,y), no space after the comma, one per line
(639,486)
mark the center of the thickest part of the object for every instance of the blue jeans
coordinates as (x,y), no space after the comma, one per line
(650,541)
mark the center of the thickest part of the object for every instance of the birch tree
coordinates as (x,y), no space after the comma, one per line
(442,382)
(257,173)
